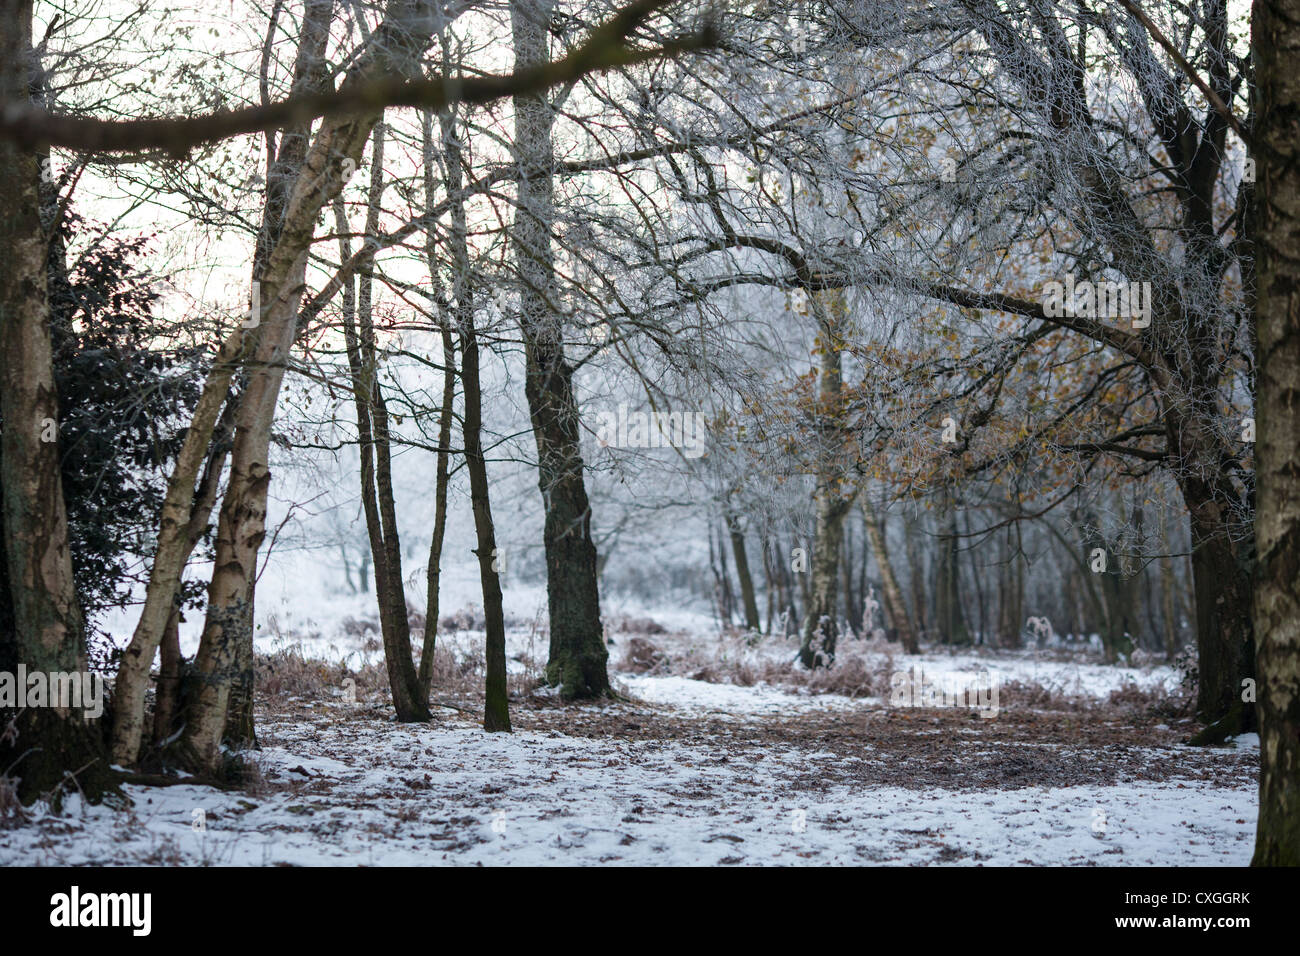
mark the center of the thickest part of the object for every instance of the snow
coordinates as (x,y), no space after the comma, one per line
(529,799)
(1057,676)
(683,772)
(347,786)
(727,699)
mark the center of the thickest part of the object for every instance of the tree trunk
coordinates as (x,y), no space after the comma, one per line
(1225,641)
(48,625)
(949,613)
(1069,572)
(718,604)
(916,575)
(977,585)
(805,591)
(240,529)
(1168,609)
(1011,604)
(781,577)
(433,575)
(577,661)
(463,303)
(862,579)
(1276,31)
(1113,589)
(742,572)
(496,711)
(851,608)
(892,594)
(771,590)
(375,454)
(168,692)
(821,628)
(185,514)
(394,47)
(727,596)
(311,74)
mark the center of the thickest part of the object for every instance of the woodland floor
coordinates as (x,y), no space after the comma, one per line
(725,775)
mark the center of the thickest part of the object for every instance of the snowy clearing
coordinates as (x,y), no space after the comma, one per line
(686,773)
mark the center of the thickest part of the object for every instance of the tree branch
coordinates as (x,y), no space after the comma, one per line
(606,48)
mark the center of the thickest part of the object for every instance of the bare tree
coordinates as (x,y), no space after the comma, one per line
(577,659)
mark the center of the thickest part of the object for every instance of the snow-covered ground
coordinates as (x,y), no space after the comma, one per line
(532,799)
(727,700)
(753,765)
(345,785)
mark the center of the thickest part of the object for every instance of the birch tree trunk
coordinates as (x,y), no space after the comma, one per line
(185,514)
(167,695)
(895,605)
(181,509)
(394,47)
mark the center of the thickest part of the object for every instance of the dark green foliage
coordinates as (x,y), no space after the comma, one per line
(124,401)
